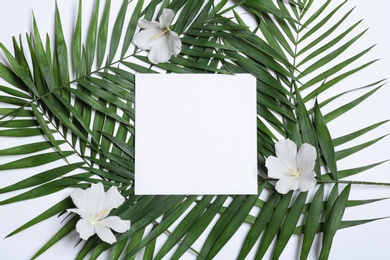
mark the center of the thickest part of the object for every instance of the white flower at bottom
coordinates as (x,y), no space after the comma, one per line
(293,170)
(158,38)
(93,206)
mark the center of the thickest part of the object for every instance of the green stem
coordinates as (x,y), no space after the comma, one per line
(355,182)
(170,233)
(346,182)
(64,86)
(68,84)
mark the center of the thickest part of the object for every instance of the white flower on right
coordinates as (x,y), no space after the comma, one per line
(158,38)
(293,170)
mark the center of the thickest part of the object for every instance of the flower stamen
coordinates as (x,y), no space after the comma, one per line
(295,173)
(164,32)
(99,216)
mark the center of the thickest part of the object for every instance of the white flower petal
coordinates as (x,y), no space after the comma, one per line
(112,199)
(276,169)
(286,151)
(79,198)
(148,25)
(85,229)
(116,223)
(97,204)
(80,212)
(306,158)
(166,18)
(174,43)
(105,234)
(284,185)
(160,51)
(95,194)
(147,38)
(307,181)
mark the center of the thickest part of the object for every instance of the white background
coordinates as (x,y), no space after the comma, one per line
(370,241)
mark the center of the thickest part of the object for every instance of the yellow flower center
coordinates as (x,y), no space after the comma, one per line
(99,216)
(164,32)
(295,173)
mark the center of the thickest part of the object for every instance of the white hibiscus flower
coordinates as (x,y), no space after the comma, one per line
(93,206)
(158,38)
(293,170)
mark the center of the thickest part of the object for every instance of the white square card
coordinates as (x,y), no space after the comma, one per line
(195,134)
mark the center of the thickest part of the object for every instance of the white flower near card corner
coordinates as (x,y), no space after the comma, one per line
(294,170)
(158,38)
(93,206)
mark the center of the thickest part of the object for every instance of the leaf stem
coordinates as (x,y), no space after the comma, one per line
(346,182)
(68,84)
(169,233)
(355,182)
